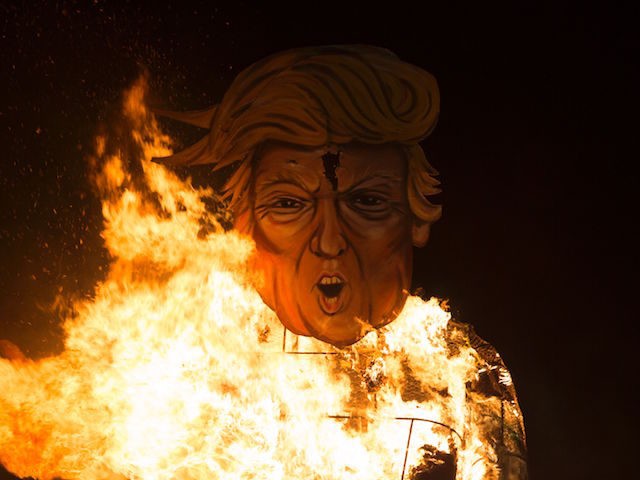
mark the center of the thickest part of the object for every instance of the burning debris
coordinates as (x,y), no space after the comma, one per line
(176,369)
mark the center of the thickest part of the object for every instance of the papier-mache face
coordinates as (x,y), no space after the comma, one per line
(329,179)
(333,233)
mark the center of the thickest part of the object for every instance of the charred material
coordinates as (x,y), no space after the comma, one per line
(436,465)
(331,162)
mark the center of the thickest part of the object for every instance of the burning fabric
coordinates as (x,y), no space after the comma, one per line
(194,360)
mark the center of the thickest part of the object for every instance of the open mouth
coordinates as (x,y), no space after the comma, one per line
(330,287)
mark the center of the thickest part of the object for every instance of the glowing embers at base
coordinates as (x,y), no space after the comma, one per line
(175,369)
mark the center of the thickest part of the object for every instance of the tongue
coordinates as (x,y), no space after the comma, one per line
(331,290)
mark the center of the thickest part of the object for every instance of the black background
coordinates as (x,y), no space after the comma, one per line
(537,147)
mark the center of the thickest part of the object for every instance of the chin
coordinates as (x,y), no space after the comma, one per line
(339,341)
(342,328)
(339,330)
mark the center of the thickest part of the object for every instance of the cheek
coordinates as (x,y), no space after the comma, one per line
(386,259)
(277,249)
(277,278)
(378,242)
(286,239)
(391,272)
(388,288)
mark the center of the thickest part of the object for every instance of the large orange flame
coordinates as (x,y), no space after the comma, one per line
(177,370)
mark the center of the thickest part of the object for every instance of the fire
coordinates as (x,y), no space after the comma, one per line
(177,370)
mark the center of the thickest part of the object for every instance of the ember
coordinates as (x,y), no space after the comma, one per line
(177,370)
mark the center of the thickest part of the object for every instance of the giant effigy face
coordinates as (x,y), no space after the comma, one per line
(330,181)
(333,233)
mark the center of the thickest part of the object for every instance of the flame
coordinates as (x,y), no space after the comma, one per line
(177,370)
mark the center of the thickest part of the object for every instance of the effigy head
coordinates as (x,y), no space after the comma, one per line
(330,181)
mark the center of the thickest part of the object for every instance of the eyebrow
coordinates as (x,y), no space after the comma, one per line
(282,177)
(290,178)
(370,178)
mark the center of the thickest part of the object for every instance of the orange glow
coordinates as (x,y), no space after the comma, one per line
(177,370)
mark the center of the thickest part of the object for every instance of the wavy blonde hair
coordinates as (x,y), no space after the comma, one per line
(314,97)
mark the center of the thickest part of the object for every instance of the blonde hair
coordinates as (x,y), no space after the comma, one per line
(314,97)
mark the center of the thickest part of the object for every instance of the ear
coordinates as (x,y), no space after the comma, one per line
(420,233)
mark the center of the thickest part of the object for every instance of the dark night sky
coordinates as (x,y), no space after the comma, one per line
(537,145)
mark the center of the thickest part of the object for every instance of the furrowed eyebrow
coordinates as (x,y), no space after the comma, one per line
(279,178)
(373,178)
(291,179)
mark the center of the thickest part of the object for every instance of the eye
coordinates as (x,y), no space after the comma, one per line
(286,205)
(283,208)
(369,203)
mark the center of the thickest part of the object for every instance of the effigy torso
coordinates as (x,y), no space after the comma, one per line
(439,395)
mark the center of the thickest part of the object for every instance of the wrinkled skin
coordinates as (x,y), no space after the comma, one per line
(335,256)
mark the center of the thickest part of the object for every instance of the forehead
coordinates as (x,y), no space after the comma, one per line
(357,163)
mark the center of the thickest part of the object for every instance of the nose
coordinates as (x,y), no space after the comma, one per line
(328,240)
